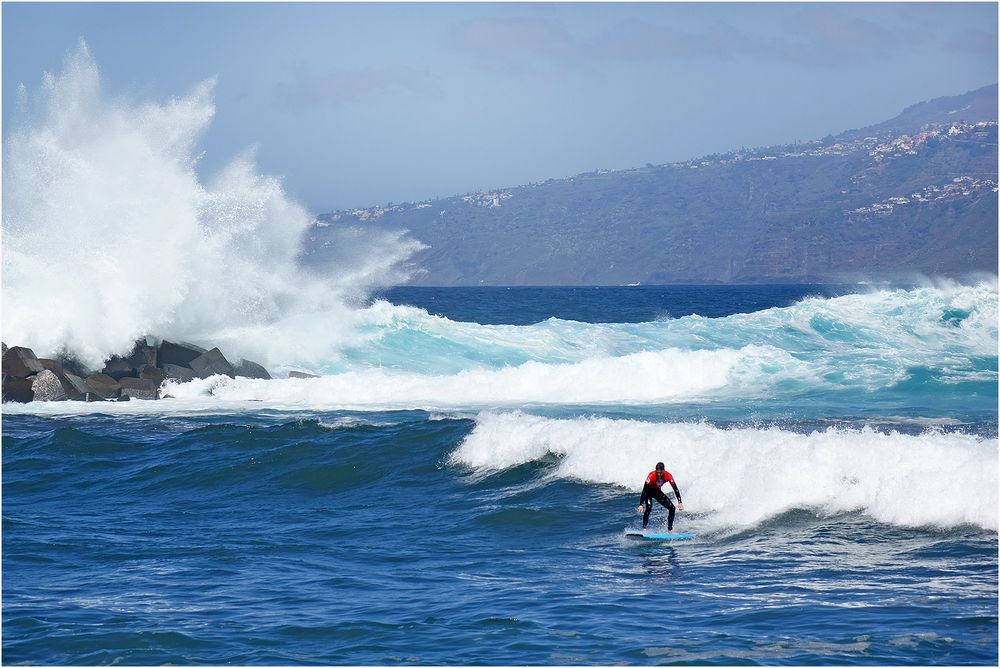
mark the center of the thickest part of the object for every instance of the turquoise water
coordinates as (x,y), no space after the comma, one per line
(456,488)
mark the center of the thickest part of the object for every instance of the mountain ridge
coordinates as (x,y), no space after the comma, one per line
(914,194)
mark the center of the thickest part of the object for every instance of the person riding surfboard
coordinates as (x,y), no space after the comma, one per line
(651,490)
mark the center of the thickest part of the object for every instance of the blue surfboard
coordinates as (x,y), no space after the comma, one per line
(649,535)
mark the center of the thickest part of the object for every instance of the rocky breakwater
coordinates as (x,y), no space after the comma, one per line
(138,375)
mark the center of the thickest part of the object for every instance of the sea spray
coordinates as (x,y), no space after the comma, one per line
(742,476)
(109,234)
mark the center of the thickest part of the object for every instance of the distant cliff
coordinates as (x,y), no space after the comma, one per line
(916,194)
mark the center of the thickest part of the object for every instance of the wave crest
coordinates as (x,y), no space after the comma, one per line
(640,378)
(740,477)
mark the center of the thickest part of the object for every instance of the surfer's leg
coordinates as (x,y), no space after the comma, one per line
(669,505)
(645,515)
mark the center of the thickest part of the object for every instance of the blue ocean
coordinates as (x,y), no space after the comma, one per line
(456,486)
(454,483)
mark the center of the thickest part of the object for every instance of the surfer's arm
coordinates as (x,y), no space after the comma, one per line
(677,493)
(644,496)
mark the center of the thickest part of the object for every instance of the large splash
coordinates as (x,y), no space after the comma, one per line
(109,234)
(739,477)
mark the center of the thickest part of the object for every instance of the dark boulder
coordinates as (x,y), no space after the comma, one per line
(143,353)
(300,374)
(52,365)
(17,389)
(104,386)
(181,373)
(152,373)
(211,363)
(73,365)
(21,362)
(77,388)
(248,369)
(180,354)
(139,388)
(119,367)
(47,387)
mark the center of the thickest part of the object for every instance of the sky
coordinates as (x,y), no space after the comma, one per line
(360,104)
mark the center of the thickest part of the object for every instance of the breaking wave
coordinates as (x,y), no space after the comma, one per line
(915,342)
(740,477)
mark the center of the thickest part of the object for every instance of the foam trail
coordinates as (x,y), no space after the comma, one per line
(742,476)
(109,234)
(641,378)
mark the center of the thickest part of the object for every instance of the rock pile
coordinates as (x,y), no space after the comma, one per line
(137,375)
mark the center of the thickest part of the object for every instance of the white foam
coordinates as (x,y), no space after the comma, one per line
(110,235)
(742,476)
(641,378)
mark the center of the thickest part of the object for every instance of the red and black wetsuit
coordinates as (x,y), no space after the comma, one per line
(651,490)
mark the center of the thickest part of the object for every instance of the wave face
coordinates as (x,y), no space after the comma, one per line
(740,477)
(935,345)
(109,234)
(890,329)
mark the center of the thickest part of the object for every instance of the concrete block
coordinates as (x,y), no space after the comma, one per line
(104,386)
(211,363)
(21,362)
(181,373)
(248,369)
(180,354)
(139,388)
(47,387)
(17,389)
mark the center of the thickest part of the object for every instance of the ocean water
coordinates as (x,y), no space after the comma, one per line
(455,486)
(453,492)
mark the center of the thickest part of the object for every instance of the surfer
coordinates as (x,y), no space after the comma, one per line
(651,490)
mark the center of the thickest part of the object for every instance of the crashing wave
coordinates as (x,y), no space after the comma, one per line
(740,477)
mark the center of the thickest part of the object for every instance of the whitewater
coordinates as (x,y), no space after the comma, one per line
(836,447)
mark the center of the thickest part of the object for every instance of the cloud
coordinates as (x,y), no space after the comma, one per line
(516,43)
(635,40)
(825,36)
(820,36)
(814,37)
(339,87)
(973,41)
